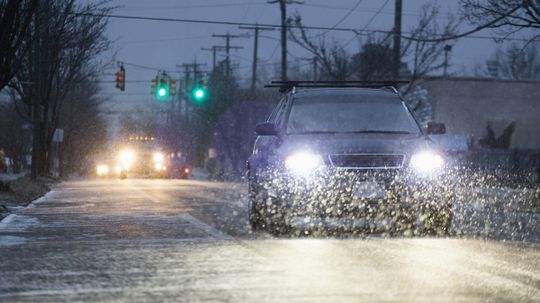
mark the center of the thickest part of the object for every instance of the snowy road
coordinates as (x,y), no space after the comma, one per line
(188,241)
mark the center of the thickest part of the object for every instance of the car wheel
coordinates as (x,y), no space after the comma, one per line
(276,222)
(256,208)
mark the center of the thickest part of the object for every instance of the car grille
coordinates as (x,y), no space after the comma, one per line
(367,161)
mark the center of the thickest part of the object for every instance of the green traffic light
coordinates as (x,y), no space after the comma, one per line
(162,92)
(199,94)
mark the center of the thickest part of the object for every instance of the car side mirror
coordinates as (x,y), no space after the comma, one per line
(266,129)
(434,128)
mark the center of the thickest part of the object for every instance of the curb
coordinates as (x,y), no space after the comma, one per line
(31,204)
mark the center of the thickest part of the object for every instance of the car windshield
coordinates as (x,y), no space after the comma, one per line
(349,114)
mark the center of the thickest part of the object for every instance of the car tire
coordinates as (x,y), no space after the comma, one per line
(256,208)
(276,222)
(263,215)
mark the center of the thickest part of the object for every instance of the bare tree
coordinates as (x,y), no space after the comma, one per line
(373,61)
(515,62)
(508,16)
(425,56)
(70,42)
(85,129)
(15,19)
(333,58)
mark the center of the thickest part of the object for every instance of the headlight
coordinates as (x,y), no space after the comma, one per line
(118,169)
(158,166)
(102,170)
(158,157)
(126,158)
(426,162)
(303,163)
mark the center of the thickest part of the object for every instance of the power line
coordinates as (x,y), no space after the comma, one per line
(164,40)
(370,21)
(189,6)
(466,34)
(344,17)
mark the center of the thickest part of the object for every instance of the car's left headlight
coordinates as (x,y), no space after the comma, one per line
(303,163)
(102,169)
(427,162)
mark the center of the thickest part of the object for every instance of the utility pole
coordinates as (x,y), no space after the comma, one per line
(397,38)
(447,49)
(214,50)
(256,30)
(228,48)
(283,9)
(187,70)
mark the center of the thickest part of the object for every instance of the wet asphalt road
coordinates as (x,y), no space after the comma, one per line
(186,241)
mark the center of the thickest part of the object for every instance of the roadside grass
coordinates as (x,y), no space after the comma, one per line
(21,191)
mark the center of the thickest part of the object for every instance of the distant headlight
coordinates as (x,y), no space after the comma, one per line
(102,170)
(158,157)
(118,169)
(126,158)
(427,162)
(303,163)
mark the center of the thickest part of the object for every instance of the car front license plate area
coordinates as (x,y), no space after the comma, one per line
(369,190)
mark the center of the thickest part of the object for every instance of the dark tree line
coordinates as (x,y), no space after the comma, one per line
(57,66)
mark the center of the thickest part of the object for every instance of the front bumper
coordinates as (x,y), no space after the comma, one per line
(338,193)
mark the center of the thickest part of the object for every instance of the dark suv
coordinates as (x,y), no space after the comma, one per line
(347,157)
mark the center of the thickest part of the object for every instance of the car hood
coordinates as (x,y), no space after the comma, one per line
(327,144)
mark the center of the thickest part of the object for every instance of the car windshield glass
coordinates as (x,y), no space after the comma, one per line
(350,114)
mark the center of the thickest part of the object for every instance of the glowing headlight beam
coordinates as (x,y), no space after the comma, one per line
(427,162)
(126,158)
(102,170)
(158,157)
(303,163)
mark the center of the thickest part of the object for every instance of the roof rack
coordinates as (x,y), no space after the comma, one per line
(285,86)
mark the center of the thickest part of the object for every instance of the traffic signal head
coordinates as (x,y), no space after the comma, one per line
(199,92)
(121,79)
(153,86)
(162,90)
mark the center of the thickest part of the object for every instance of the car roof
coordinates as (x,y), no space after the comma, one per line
(345,91)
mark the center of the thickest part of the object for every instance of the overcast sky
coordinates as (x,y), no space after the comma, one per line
(163,45)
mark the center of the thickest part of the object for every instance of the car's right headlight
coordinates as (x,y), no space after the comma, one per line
(303,163)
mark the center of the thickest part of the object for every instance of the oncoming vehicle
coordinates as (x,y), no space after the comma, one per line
(347,157)
(143,156)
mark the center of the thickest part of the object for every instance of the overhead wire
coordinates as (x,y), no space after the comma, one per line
(369,22)
(343,18)
(467,34)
